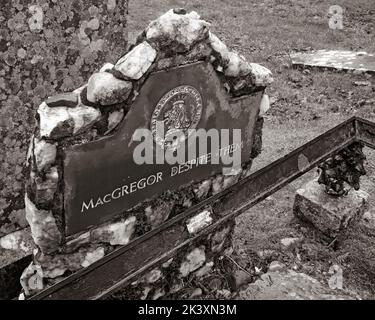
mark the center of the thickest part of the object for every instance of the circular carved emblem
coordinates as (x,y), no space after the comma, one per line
(177,111)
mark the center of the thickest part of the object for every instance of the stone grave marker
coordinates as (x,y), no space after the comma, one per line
(101,178)
(87,194)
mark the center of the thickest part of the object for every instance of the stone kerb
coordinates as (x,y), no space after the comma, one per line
(95,110)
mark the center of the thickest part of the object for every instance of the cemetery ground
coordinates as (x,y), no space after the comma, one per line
(305,103)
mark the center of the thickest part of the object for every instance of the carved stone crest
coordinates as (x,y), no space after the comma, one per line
(178,110)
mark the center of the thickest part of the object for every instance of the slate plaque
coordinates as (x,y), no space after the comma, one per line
(101,178)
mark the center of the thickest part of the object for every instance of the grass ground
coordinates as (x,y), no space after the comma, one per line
(305,103)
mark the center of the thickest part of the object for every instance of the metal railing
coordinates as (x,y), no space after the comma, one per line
(126,264)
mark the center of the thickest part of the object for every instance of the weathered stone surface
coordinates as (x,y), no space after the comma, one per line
(220,48)
(114,119)
(153,276)
(264,105)
(168,263)
(206,269)
(230,180)
(337,59)
(32,279)
(80,90)
(201,51)
(146,291)
(266,254)
(115,233)
(177,32)
(45,154)
(136,62)
(69,100)
(30,151)
(43,227)
(56,272)
(217,184)
(20,240)
(158,294)
(106,89)
(262,77)
(159,212)
(54,266)
(219,238)
(92,257)
(329,214)
(289,242)
(107,66)
(240,84)
(336,281)
(199,222)
(194,259)
(201,190)
(78,241)
(44,52)
(369,219)
(177,286)
(237,66)
(62,122)
(17,218)
(276,266)
(290,285)
(187,202)
(196,293)
(46,186)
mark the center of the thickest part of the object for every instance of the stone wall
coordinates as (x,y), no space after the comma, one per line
(46,47)
(95,110)
(203,264)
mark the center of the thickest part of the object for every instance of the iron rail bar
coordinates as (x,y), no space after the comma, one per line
(126,264)
(366,132)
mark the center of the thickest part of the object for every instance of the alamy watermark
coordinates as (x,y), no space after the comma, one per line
(335,21)
(190,148)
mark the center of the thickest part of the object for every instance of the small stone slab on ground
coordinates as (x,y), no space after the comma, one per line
(291,285)
(327,213)
(336,59)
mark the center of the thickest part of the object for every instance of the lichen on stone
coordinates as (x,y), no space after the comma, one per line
(45,186)
(177,32)
(43,227)
(60,122)
(193,260)
(44,153)
(105,89)
(136,63)
(115,233)
(40,47)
